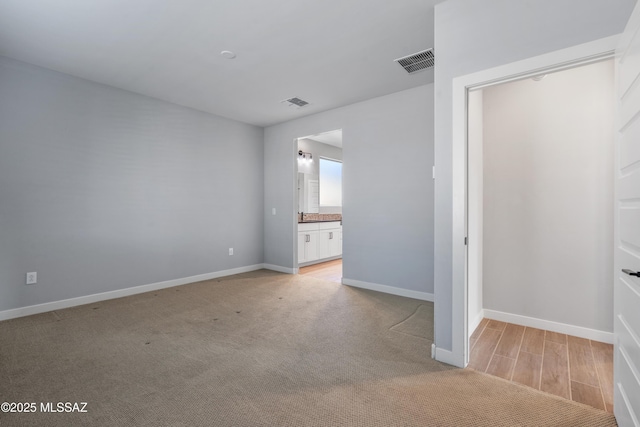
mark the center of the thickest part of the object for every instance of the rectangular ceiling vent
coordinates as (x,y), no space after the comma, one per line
(297,102)
(417,61)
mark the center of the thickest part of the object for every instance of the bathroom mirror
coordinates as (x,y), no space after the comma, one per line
(308,193)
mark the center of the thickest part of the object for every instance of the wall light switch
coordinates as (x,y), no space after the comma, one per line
(273,211)
(230,251)
(32,278)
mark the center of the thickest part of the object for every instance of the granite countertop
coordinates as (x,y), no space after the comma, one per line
(317,217)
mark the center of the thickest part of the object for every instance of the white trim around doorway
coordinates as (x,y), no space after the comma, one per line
(562,59)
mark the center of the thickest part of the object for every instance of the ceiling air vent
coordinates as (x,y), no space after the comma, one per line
(296,102)
(417,61)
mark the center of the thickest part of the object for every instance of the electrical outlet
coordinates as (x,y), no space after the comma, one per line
(230,251)
(32,278)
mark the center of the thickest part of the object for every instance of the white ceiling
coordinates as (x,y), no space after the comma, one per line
(333,137)
(328,52)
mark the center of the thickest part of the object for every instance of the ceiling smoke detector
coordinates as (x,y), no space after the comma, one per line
(227,54)
(295,102)
(417,61)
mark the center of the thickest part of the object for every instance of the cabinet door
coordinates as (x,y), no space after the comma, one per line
(324,244)
(311,247)
(335,242)
(302,244)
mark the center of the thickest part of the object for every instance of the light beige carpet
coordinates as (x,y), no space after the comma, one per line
(257,349)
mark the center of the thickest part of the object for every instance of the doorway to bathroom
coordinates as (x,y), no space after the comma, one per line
(319,202)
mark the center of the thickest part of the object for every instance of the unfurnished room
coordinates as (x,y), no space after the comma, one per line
(320,213)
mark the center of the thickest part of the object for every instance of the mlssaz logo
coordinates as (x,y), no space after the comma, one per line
(63,407)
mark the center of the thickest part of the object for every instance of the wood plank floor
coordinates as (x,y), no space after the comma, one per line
(330,270)
(574,368)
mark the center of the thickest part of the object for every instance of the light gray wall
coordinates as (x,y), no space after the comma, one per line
(102,189)
(548,197)
(471,36)
(387,188)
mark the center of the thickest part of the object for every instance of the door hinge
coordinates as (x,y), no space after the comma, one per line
(465,241)
(433,172)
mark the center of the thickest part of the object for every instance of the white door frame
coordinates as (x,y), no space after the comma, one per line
(561,59)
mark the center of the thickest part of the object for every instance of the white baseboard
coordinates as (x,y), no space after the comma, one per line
(563,328)
(388,289)
(474,323)
(89,299)
(445,356)
(280,269)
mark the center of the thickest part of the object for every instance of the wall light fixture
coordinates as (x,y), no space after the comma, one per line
(305,157)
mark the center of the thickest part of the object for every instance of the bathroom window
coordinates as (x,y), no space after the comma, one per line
(330,182)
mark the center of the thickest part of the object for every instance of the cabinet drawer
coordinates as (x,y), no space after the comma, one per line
(329,225)
(308,227)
